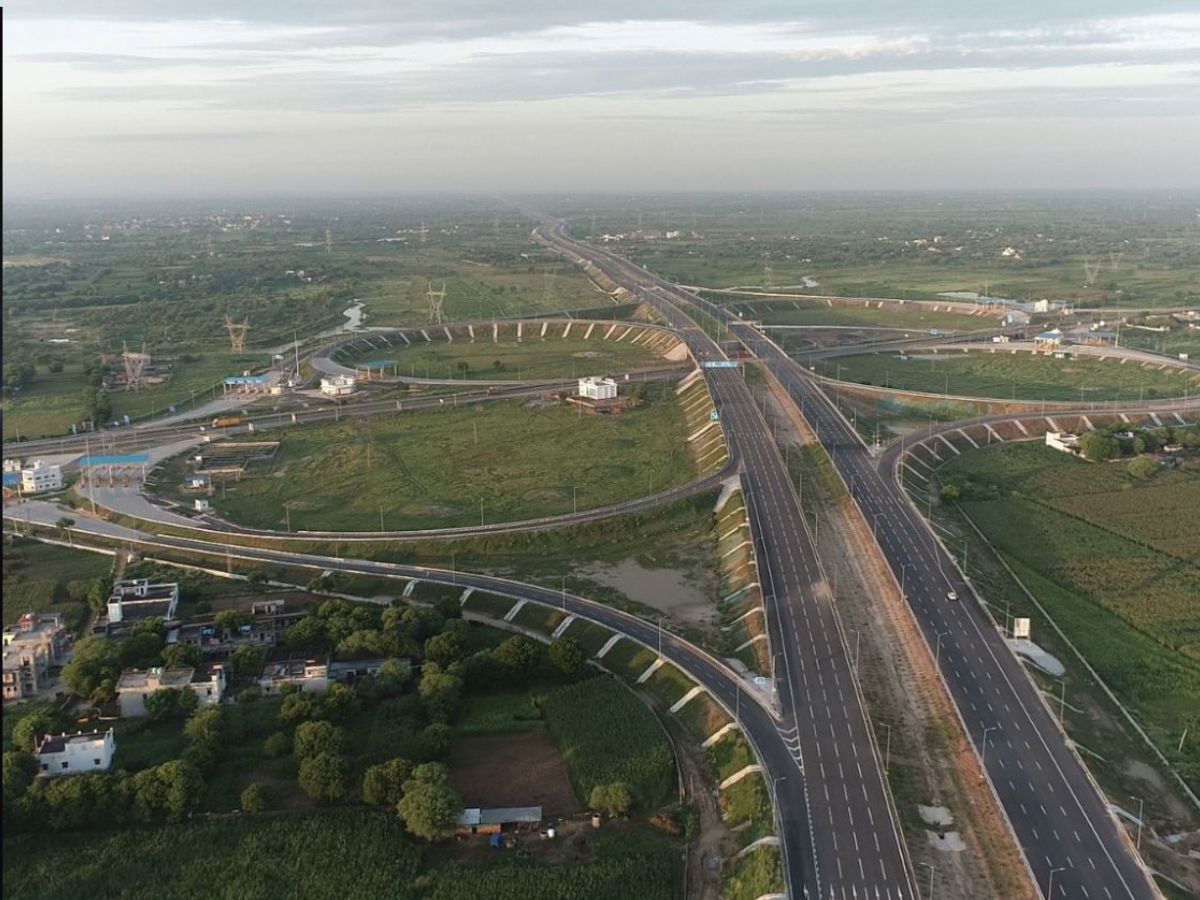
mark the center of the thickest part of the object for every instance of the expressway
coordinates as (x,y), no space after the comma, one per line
(837,823)
(1072,843)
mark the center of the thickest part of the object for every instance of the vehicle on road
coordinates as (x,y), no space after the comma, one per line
(226,421)
(953,595)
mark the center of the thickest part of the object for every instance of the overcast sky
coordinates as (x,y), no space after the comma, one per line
(320,97)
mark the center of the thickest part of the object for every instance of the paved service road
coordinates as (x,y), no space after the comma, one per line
(1072,843)
(839,828)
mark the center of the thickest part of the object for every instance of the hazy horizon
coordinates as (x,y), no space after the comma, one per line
(305,99)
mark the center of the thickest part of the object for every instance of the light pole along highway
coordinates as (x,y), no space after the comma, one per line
(1063,825)
(838,820)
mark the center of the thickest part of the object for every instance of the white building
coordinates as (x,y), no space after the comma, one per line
(1041,306)
(73,754)
(282,667)
(338,385)
(136,598)
(31,648)
(598,388)
(1062,440)
(41,477)
(134,687)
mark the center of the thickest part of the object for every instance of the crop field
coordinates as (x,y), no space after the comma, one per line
(915,245)
(289,857)
(528,359)
(619,866)
(918,317)
(53,401)
(1006,376)
(606,735)
(435,468)
(1113,558)
(36,579)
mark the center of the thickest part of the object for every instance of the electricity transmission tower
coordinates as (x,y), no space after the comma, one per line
(237,333)
(328,241)
(135,366)
(1091,270)
(436,298)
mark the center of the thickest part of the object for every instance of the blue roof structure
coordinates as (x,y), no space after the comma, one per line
(248,379)
(128,459)
(376,364)
(12,479)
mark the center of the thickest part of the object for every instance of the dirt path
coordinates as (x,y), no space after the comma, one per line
(930,762)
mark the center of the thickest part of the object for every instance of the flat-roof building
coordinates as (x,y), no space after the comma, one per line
(338,385)
(594,388)
(39,476)
(31,647)
(133,599)
(282,667)
(135,686)
(73,754)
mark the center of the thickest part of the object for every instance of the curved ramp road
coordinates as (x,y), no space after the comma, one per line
(1072,843)
(839,828)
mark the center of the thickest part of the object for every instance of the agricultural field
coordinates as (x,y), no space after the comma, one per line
(528,359)
(607,735)
(434,468)
(1008,376)
(39,577)
(53,401)
(916,317)
(916,246)
(1114,560)
(303,856)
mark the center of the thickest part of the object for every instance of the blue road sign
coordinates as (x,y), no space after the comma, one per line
(720,364)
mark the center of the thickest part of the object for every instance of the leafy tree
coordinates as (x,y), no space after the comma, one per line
(164,704)
(950,493)
(297,706)
(325,776)
(613,799)
(254,798)
(204,725)
(383,785)
(434,740)
(277,745)
(153,625)
(365,643)
(439,692)
(181,656)
(429,808)
(309,632)
(26,732)
(141,651)
(20,767)
(519,656)
(182,786)
(247,659)
(394,675)
(97,596)
(94,661)
(445,648)
(339,702)
(314,738)
(568,656)
(77,590)
(1097,446)
(230,620)
(1143,467)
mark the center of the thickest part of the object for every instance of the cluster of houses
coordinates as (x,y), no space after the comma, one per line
(37,646)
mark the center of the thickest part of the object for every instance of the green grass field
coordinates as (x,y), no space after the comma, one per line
(919,317)
(36,576)
(606,734)
(432,468)
(52,402)
(1007,376)
(530,359)
(1113,558)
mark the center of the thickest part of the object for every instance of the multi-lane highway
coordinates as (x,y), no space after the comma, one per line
(834,805)
(1072,843)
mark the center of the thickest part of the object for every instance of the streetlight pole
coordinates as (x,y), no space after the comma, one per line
(937,653)
(932,870)
(1050,884)
(983,746)
(1141,809)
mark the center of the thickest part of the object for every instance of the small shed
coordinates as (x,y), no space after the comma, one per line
(475,820)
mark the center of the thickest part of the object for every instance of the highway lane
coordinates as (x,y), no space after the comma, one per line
(1072,843)
(854,847)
